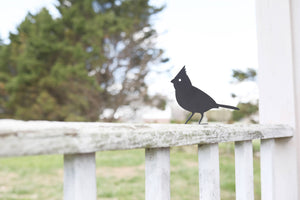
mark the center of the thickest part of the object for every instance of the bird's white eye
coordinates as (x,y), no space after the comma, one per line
(179,80)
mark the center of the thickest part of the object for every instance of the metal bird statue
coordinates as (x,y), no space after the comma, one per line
(193,99)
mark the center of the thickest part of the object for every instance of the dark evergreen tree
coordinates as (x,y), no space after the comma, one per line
(96,55)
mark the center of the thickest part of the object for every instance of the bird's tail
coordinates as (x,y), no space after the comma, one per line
(230,107)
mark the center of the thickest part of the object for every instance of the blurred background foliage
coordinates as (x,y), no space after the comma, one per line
(247,109)
(93,57)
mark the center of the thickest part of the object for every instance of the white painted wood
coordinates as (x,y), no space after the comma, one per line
(18,138)
(275,72)
(157,174)
(244,185)
(278,99)
(278,169)
(80,177)
(209,172)
(295,18)
(266,169)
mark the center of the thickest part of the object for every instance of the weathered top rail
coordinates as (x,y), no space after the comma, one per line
(18,138)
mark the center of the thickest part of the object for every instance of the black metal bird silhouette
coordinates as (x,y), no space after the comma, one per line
(191,98)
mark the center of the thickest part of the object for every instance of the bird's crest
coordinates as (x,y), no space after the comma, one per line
(181,79)
(182,71)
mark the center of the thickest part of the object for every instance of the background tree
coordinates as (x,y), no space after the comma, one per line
(95,56)
(246,108)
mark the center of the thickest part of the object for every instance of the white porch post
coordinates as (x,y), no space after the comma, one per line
(279,76)
(295,17)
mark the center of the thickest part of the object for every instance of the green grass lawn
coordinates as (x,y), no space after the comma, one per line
(120,175)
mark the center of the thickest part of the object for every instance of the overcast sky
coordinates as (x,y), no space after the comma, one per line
(209,37)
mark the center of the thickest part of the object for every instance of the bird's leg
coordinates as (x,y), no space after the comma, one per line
(189,118)
(201,118)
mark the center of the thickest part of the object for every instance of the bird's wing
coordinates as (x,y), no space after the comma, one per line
(203,99)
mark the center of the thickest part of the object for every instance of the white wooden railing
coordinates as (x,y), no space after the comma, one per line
(79,141)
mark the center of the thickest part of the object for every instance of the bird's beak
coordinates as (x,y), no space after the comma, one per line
(172,81)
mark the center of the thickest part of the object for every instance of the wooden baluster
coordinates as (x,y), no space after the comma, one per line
(244,185)
(80,177)
(209,173)
(157,172)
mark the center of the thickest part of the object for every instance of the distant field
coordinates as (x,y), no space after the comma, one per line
(120,175)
